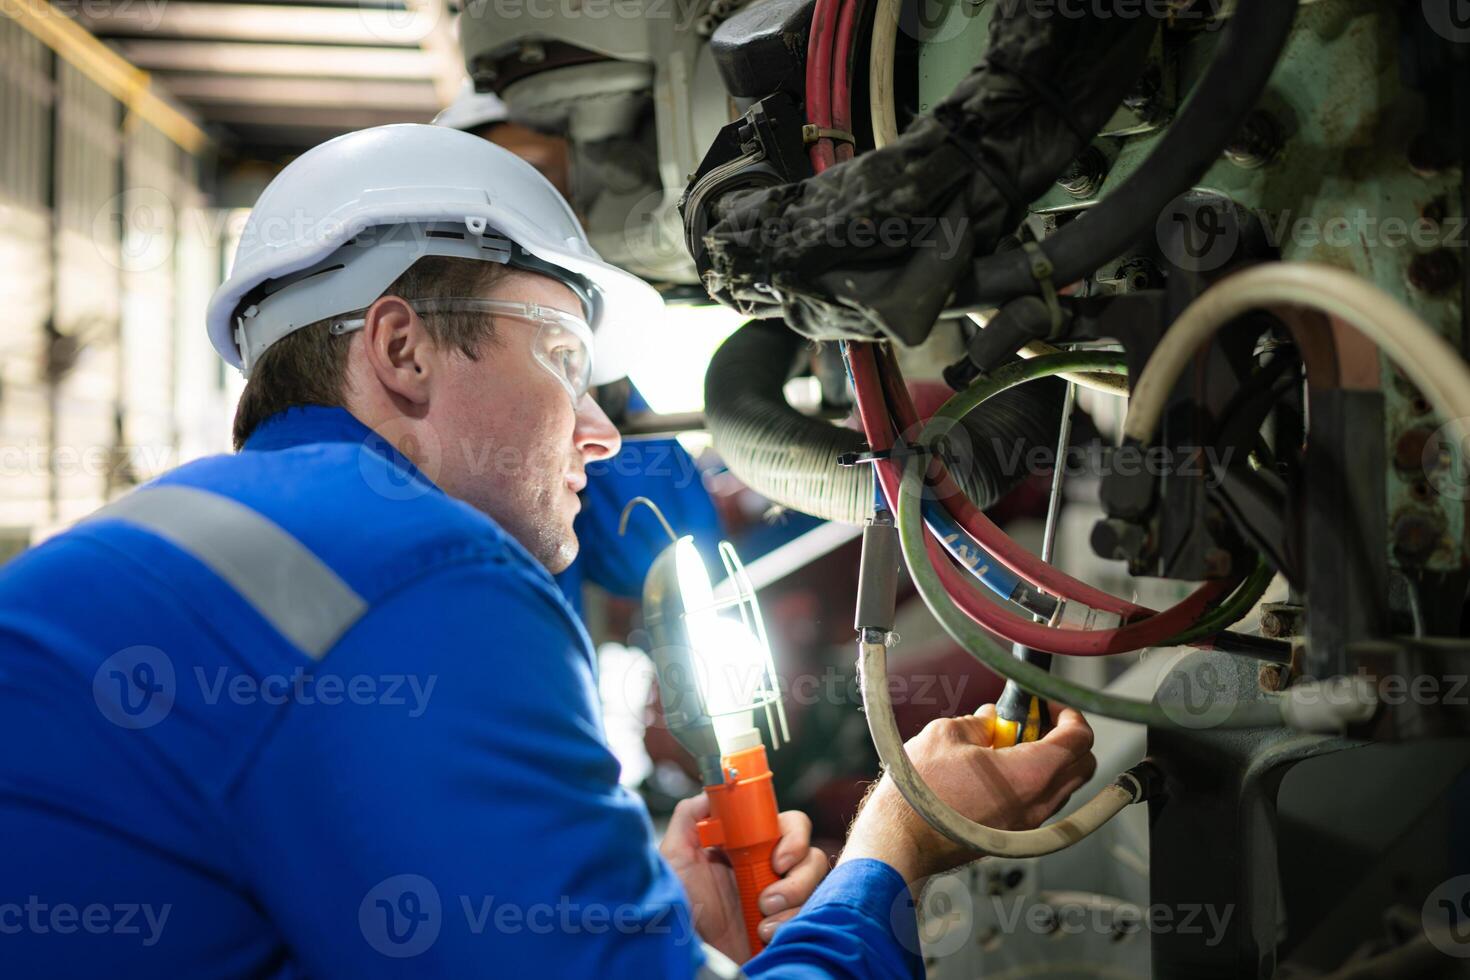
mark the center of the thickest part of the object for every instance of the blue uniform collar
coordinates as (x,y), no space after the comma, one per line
(306,424)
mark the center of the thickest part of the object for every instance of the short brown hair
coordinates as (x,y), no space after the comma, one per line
(309,365)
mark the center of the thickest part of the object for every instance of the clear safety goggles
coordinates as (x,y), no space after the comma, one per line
(562,343)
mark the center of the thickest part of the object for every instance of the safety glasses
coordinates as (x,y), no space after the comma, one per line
(562,343)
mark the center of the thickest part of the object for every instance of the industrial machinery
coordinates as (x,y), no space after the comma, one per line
(1246,217)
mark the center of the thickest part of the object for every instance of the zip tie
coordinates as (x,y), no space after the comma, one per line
(1042,271)
(901,452)
(811,133)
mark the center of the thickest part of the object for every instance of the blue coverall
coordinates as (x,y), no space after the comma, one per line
(377,754)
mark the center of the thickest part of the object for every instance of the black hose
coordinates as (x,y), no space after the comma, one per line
(792,459)
(1214,115)
(1017,324)
(774,449)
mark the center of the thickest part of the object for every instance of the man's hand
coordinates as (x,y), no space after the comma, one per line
(1014,788)
(710,883)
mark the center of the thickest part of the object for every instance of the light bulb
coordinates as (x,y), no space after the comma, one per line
(728,659)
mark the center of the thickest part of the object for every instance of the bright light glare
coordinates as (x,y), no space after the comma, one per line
(730,665)
(673,355)
(729,662)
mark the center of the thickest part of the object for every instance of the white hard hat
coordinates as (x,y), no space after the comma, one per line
(338,225)
(471,109)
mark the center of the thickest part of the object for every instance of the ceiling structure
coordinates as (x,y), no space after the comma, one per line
(274,78)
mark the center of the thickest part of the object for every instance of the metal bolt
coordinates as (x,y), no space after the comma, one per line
(1257,143)
(1084,178)
(532,52)
(1408,452)
(1118,540)
(1434,272)
(1271,677)
(483,74)
(1415,536)
(1428,155)
(1143,98)
(1281,619)
(1139,273)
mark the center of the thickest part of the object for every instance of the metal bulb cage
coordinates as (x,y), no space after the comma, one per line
(741,597)
(666,616)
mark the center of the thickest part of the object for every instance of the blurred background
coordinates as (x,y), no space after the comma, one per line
(134,136)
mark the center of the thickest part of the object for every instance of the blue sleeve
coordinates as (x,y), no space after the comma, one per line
(860,922)
(662,471)
(464,817)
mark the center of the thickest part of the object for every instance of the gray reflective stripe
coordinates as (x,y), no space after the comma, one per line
(288,585)
(718,966)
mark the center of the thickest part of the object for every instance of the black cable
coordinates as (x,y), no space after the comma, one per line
(1231,86)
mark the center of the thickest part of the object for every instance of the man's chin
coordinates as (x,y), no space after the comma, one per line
(561,556)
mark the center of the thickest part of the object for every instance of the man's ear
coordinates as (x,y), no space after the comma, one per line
(399,351)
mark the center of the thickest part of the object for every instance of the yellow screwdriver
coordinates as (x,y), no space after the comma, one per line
(1019,716)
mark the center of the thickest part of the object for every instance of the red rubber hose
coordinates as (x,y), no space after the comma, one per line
(1155,629)
(979,526)
(819,80)
(841,86)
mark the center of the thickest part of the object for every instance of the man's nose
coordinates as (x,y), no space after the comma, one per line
(595,436)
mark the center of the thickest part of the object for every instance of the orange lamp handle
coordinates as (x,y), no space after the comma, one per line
(743,823)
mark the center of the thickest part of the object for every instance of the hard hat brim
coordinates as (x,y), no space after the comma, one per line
(627,305)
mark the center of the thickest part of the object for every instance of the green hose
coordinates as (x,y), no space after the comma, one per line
(959,626)
(1233,609)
